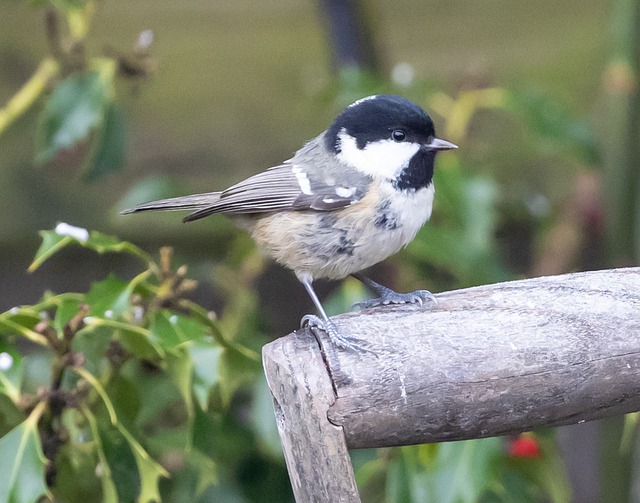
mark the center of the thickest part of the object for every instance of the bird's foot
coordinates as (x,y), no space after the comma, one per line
(339,340)
(388,296)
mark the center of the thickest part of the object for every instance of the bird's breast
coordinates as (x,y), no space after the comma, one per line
(337,243)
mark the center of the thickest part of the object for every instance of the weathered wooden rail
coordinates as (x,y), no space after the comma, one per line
(486,361)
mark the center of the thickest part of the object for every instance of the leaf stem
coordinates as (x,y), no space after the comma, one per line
(28,93)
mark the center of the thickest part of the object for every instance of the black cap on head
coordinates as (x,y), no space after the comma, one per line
(376,117)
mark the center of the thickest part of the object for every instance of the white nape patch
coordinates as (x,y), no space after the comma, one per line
(303,181)
(362,100)
(77,233)
(345,192)
(382,158)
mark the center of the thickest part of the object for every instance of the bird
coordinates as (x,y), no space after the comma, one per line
(348,199)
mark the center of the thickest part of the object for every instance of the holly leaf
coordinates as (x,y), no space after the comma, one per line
(109,298)
(171,330)
(136,340)
(64,235)
(149,470)
(135,474)
(21,321)
(11,372)
(22,462)
(109,145)
(206,361)
(76,106)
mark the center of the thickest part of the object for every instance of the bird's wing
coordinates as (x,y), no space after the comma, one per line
(284,187)
(311,180)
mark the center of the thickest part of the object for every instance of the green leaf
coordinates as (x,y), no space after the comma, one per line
(52,243)
(103,243)
(121,463)
(205,467)
(149,470)
(451,472)
(11,372)
(471,464)
(171,330)
(134,473)
(22,463)
(95,384)
(109,489)
(136,340)
(65,310)
(76,106)
(109,145)
(21,321)
(206,360)
(109,298)
(64,234)
(180,371)
(94,343)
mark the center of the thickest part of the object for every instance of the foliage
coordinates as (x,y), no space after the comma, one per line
(80,111)
(137,376)
(475,470)
(132,392)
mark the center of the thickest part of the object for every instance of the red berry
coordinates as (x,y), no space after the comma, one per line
(524,446)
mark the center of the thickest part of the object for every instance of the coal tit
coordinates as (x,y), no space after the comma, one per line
(348,199)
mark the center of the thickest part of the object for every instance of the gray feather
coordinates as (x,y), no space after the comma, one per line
(278,189)
(192,202)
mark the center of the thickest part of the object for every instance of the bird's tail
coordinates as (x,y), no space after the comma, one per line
(193,202)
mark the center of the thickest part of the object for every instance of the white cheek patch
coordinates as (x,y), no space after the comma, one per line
(303,181)
(382,158)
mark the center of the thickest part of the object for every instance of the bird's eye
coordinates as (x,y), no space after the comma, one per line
(398,135)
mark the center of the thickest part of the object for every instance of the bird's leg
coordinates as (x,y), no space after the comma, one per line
(324,323)
(388,296)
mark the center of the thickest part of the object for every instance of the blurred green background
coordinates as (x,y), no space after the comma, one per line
(540,97)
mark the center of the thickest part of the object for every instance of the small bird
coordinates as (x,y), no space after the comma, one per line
(348,199)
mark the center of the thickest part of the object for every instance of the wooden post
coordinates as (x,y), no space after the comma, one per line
(486,361)
(315,450)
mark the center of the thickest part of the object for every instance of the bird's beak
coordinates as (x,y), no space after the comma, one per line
(438,144)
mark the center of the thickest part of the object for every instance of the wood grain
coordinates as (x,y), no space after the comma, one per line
(486,361)
(315,450)
(491,360)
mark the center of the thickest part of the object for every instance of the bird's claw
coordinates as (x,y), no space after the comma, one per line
(420,297)
(339,340)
